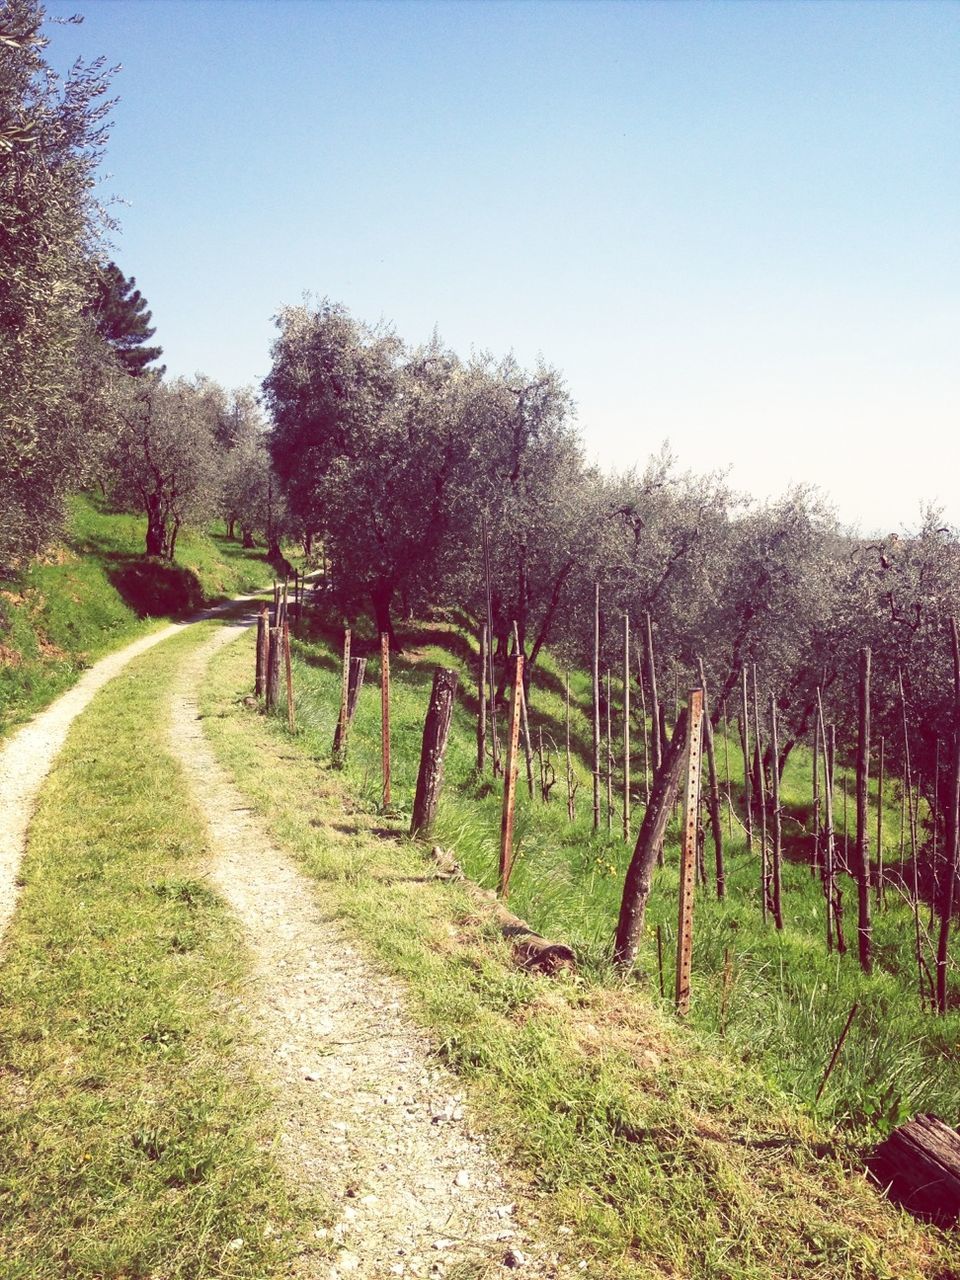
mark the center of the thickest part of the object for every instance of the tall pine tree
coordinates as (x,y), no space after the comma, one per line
(120,313)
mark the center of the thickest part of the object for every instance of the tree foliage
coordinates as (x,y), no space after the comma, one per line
(51,137)
(120,316)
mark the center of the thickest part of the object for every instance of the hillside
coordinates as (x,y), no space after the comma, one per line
(95,590)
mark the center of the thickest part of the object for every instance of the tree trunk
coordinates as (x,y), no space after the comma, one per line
(436,730)
(864,938)
(636,889)
(246,537)
(382,599)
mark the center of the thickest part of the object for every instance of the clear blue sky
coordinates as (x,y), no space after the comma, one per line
(733,225)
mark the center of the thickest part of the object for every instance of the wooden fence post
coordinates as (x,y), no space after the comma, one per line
(511,770)
(436,730)
(340,737)
(864,930)
(626,726)
(291,717)
(688,856)
(596,706)
(482,704)
(777,902)
(385,714)
(654,700)
(263,643)
(494,733)
(745,737)
(762,802)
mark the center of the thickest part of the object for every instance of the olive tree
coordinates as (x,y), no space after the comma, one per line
(51,138)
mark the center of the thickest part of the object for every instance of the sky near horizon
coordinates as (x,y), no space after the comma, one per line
(733,226)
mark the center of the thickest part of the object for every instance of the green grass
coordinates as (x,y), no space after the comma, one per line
(784,999)
(131,1142)
(96,591)
(663,1152)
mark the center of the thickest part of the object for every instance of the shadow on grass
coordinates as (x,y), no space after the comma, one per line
(155,588)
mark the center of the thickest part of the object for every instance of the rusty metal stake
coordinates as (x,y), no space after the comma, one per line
(688,856)
(510,779)
(385,714)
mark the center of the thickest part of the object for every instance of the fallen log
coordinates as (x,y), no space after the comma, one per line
(919,1168)
(530,949)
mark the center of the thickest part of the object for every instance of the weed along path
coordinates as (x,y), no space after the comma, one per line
(364,1114)
(26,757)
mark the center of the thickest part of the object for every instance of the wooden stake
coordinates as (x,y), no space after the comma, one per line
(836,1052)
(646,732)
(879,872)
(626,726)
(596,706)
(726,769)
(815,862)
(482,703)
(291,715)
(688,857)
(571,782)
(934,822)
(654,701)
(609,761)
(340,750)
(762,801)
(510,780)
(494,735)
(263,646)
(385,716)
(828,830)
(864,927)
(745,741)
(951,853)
(915,894)
(777,825)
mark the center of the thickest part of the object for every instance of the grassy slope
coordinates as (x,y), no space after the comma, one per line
(90,594)
(663,1152)
(784,1000)
(131,1144)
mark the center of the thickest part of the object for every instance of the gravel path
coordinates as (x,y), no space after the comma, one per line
(364,1113)
(26,757)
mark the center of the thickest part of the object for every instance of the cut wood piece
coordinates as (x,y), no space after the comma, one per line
(919,1168)
(530,949)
